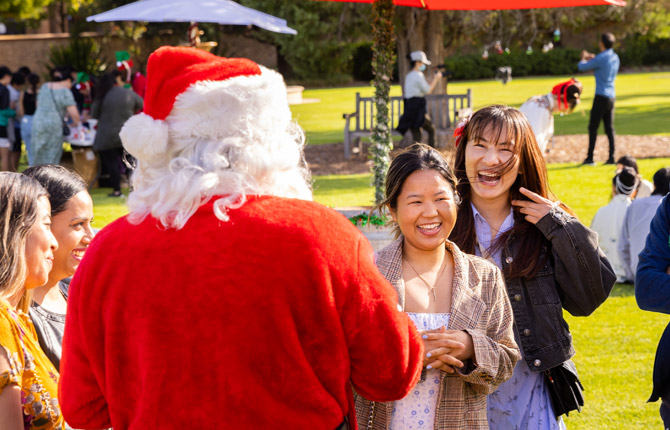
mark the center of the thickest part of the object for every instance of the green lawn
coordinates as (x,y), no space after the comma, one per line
(107,209)
(615,353)
(642,106)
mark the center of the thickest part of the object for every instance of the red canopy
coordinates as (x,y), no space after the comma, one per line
(496,4)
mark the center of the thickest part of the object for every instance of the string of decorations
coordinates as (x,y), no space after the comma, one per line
(383,58)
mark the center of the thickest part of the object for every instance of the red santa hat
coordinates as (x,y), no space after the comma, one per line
(196,94)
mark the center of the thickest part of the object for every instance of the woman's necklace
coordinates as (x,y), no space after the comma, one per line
(431,288)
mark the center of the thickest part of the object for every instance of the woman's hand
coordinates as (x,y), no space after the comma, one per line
(446,349)
(536,208)
(73,113)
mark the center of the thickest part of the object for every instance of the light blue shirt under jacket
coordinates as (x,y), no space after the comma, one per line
(605,66)
(523,401)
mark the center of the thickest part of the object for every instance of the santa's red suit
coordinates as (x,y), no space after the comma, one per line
(264,321)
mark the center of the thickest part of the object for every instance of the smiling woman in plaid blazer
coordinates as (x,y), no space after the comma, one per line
(456,300)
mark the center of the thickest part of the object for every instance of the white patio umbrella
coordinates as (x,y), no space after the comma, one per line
(216,11)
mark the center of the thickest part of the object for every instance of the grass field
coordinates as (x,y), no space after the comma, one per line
(615,346)
(615,353)
(642,105)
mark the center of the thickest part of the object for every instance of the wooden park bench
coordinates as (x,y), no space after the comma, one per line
(444,111)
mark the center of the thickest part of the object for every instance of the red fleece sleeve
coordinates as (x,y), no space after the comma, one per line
(384,347)
(79,393)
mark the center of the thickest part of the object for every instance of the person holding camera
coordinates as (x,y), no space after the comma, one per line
(415,116)
(605,66)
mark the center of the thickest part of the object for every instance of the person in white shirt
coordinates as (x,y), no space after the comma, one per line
(644,187)
(414,117)
(540,110)
(637,220)
(609,219)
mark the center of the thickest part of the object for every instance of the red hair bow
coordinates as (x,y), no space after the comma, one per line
(458,133)
(561,90)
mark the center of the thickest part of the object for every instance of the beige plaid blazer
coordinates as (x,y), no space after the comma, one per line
(479,306)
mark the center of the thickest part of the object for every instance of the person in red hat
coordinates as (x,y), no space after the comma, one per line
(540,110)
(226,298)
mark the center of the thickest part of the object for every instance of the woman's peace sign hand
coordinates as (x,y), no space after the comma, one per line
(536,208)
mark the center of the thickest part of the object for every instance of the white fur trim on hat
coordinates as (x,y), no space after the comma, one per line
(144,137)
(232,107)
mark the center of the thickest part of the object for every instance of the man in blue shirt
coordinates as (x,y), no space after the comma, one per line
(605,66)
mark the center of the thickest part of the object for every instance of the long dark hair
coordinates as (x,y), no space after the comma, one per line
(107,82)
(60,183)
(573,93)
(416,157)
(33,80)
(532,176)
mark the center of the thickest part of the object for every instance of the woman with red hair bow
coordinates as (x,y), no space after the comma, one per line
(540,110)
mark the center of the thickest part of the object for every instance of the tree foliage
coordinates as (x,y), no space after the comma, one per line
(23,9)
(37,9)
(477,30)
(327,34)
(82,54)
(383,58)
(334,38)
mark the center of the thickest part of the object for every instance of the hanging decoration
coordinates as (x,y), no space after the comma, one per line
(547,47)
(383,58)
(485,54)
(557,35)
(529,50)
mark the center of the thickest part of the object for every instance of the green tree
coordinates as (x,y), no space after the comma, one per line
(327,32)
(23,9)
(40,9)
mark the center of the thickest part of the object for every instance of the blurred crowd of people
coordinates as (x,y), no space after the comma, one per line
(69,107)
(623,224)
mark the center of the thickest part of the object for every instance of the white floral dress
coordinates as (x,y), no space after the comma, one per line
(417,410)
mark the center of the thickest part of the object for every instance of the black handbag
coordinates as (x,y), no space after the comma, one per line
(565,388)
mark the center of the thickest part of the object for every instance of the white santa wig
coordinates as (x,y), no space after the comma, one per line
(226,132)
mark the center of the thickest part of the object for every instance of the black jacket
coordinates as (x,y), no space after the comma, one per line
(576,277)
